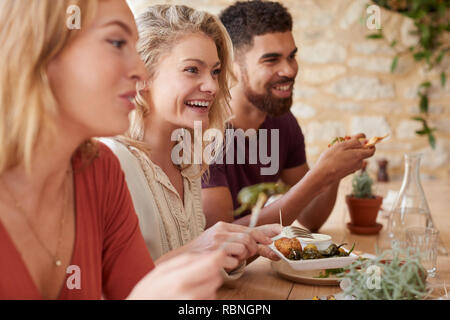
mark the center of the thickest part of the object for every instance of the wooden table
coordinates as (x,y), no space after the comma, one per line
(260,282)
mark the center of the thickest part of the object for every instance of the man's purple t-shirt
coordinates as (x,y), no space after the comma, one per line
(237,176)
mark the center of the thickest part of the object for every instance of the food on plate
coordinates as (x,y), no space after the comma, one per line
(334,250)
(295,255)
(330,272)
(248,196)
(290,248)
(311,252)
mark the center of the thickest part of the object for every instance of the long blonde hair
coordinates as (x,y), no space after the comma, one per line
(160,27)
(31,34)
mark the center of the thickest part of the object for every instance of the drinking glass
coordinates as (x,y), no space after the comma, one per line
(424,242)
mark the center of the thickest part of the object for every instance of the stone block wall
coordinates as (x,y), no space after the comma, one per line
(345,86)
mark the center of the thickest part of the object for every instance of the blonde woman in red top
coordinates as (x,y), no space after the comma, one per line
(68,229)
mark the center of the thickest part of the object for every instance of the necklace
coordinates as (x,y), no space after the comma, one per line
(56,260)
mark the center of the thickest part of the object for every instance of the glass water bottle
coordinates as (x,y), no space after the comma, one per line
(410,208)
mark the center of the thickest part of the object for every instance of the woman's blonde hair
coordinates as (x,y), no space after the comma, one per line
(31,34)
(160,28)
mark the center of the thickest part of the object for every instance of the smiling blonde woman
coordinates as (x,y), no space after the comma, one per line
(188,56)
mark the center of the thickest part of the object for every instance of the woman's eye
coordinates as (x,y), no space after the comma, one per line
(117,43)
(216,72)
(191,69)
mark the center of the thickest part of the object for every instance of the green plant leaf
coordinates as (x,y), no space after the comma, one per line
(394,64)
(441,8)
(443,79)
(419,119)
(419,55)
(375,36)
(423,88)
(439,57)
(421,132)
(353,247)
(432,140)
(425,84)
(425,34)
(424,104)
(428,54)
(393,43)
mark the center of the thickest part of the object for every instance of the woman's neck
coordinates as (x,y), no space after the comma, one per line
(48,169)
(158,137)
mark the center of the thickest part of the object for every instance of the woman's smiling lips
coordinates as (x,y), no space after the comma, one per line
(198,105)
(128,98)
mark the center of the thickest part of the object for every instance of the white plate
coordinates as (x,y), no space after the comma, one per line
(310,277)
(313,264)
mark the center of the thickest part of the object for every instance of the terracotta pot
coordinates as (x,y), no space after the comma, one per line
(363,212)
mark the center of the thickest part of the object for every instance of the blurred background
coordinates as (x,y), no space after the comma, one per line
(354,78)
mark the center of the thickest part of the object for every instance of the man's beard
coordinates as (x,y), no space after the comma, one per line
(267,102)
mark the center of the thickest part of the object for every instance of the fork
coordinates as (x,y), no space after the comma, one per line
(294,232)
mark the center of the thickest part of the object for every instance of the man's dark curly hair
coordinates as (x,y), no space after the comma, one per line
(247,19)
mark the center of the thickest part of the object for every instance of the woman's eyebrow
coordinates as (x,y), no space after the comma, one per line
(121,24)
(203,63)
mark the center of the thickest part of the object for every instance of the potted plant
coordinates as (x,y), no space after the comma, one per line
(363,205)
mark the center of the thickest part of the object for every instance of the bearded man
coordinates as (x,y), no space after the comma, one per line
(266,67)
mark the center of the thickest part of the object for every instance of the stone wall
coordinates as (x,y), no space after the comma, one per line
(345,85)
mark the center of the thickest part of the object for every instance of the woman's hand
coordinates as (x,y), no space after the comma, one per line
(270,230)
(186,277)
(237,241)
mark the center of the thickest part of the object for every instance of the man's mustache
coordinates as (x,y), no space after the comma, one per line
(284,80)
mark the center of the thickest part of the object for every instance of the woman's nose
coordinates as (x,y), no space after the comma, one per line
(210,85)
(139,71)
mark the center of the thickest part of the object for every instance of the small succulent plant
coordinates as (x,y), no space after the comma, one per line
(362,185)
